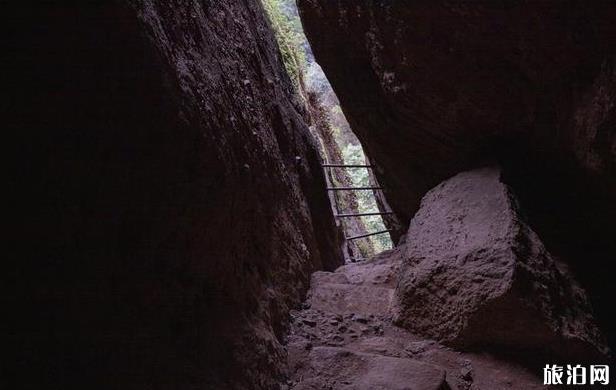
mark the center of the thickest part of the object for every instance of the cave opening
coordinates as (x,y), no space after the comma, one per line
(355,194)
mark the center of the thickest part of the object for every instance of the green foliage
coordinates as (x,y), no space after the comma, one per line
(290,39)
(337,109)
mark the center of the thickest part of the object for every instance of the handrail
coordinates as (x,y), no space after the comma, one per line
(352,188)
(368,234)
(346,166)
(363,214)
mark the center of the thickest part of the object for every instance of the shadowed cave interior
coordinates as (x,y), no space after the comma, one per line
(173,227)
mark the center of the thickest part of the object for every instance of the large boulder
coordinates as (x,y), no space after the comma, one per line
(171,204)
(476,275)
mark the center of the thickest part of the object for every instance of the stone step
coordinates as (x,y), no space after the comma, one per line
(323,277)
(340,368)
(373,272)
(346,299)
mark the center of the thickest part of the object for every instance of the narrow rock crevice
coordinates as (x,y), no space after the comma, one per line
(170,225)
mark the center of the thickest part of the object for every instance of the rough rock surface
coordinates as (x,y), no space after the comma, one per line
(440,87)
(431,89)
(347,340)
(171,204)
(475,274)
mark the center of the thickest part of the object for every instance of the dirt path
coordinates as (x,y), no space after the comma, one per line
(344,339)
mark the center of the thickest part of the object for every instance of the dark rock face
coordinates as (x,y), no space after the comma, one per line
(171,203)
(476,275)
(436,88)
(433,89)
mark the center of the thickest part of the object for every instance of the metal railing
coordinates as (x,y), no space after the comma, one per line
(367,234)
(346,166)
(349,215)
(363,214)
(352,188)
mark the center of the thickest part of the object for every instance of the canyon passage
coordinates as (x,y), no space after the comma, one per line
(310,194)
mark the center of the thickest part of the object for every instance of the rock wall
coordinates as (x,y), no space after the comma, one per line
(171,205)
(434,89)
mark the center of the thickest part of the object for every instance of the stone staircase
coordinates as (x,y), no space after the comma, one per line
(343,338)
